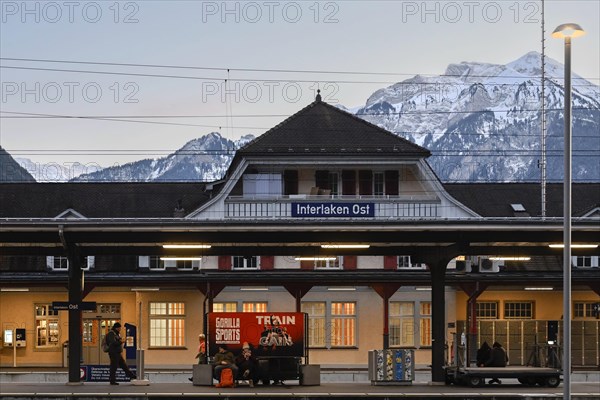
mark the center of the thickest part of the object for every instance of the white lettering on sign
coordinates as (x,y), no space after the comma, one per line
(274,319)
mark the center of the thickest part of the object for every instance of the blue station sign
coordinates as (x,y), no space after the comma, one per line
(332,210)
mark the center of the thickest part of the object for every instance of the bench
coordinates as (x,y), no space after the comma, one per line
(276,369)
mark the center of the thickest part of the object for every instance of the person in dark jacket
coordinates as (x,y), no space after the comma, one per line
(224,359)
(498,358)
(483,354)
(115,350)
(247,364)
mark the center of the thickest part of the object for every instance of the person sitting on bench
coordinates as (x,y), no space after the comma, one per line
(247,364)
(223,360)
(498,358)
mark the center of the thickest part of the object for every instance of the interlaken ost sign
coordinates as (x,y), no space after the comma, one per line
(332,210)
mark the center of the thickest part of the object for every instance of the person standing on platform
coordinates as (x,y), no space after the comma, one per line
(201,354)
(115,350)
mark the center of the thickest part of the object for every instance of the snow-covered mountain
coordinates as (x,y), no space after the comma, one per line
(56,172)
(482,122)
(203,159)
(11,171)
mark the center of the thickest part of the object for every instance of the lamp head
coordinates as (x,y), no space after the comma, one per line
(568,30)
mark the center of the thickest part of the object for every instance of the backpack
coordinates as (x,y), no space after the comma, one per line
(226,379)
(104,343)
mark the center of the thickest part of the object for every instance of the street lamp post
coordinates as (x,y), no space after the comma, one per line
(566,32)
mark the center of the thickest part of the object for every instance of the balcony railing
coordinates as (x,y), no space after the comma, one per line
(383,207)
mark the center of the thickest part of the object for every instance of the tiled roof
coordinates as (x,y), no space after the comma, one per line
(99,200)
(495,199)
(321,128)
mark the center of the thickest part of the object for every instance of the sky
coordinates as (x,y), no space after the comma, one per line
(148,76)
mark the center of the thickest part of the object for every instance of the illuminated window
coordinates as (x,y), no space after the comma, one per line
(402,323)
(331,324)
(225,307)
(343,324)
(167,324)
(254,307)
(518,310)
(46,327)
(425,323)
(486,309)
(316,322)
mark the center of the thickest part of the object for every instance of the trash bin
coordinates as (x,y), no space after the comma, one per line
(391,366)
(65,354)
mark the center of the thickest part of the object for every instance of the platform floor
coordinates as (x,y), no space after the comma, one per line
(509,389)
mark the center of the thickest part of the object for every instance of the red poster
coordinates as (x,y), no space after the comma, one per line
(268,334)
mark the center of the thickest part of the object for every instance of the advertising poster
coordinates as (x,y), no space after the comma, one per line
(268,334)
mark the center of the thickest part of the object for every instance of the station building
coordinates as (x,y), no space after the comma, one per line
(324,213)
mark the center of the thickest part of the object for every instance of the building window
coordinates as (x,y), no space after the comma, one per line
(225,306)
(586,261)
(333,263)
(245,262)
(402,323)
(331,324)
(518,310)
(46,327)
(425,323)
(486,310)
(333,179)
(343,324)
(378,184)
(262,185)
(583,310)
(167,324)
(61,263)
(404,262)
(316,322)
(254,307)
(154,263)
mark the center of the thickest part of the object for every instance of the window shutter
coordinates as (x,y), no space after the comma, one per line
(267,262)
(170,264)
(350,262)
(307,265)
(365,182)
(348,182)
(322,179)
(224,263)
(390,262)
(391,183)
(290,182)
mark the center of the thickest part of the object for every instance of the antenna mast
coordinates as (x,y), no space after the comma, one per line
(543,116)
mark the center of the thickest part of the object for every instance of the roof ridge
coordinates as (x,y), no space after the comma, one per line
(270,130)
